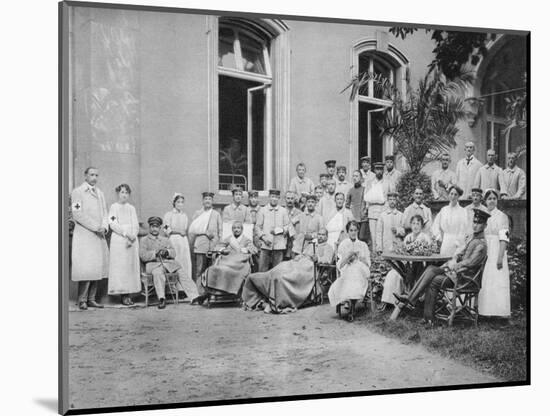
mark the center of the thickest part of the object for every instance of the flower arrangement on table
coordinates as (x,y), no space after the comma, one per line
(419,248)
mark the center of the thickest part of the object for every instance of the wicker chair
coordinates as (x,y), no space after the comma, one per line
(460,302)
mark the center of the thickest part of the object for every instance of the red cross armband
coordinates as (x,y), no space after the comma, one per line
(504,235)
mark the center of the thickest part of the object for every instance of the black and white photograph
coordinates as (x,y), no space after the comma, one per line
(260,207)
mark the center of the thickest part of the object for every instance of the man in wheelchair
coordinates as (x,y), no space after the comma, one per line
(232,264)
(157,253)
(464,264)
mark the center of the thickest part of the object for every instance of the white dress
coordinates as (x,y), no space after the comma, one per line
(494,297)
(451,226)
(124,273)
(175,221)
(354,277)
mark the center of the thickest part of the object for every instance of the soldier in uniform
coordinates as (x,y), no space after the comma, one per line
(331,168)
(342,185)
(253,208)
(464,263)
(294,217)
(237,211)
(417,207)
(90,255)
(375,199)
(206,229)
(158,254)
(272,227)
(391,175)
(366,172)
(323,181)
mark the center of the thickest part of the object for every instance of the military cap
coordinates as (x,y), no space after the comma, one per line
(477,190)
(154,221)
(367,158)
(274,192)
(481,215)
(330,163)
(236,189)
(323,175)
(457,189)
(379,165)
(311,196)
(252,193)
(395,194)
(389,157)
(210,194)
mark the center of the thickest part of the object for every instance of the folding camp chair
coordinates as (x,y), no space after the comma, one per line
(148,287)
(460,302)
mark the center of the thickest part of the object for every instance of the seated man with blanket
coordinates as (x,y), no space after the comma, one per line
(288,285)
(232,268)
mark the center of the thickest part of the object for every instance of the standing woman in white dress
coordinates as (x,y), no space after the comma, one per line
(494,296)
(353,264)
(175,227)
(451,224)
(124,273)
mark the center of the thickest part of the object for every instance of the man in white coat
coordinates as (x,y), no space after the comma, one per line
(466,170)
(90,255)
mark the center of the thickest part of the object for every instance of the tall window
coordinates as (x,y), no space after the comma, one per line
(504,78)
(384,72)
(244,83)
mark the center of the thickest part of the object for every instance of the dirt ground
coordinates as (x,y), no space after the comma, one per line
(121,357)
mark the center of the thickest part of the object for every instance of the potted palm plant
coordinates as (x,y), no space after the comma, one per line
(422,123)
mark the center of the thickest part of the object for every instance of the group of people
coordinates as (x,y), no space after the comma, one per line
(268,254)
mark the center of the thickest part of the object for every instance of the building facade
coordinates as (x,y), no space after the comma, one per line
(174,102)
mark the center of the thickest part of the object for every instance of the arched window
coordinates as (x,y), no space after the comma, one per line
(386,67)
(249,123)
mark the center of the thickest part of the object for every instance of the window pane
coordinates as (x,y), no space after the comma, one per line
(252,54)
(226,53)
(383,76)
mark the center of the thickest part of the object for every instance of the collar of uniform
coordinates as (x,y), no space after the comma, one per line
(274,208)
(152,237)
(300,179)
(512,169)
(89,187)
(487,166)
(235,206)
(415,205)
(175,211)
(311,214)
(478,236)
(393,211)
(344,182)
(256,208)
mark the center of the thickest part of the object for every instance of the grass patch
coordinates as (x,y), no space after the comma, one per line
(495,346)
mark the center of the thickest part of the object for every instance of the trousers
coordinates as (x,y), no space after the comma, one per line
(201,264)
(87,290)
(429,283)
(270,256)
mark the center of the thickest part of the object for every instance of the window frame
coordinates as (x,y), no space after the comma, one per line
(389,56)
(278,173)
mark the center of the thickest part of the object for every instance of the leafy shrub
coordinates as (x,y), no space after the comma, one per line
(517,264)
(406,185)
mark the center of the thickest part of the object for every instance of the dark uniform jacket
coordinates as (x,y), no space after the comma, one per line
(471,256)
(148,248)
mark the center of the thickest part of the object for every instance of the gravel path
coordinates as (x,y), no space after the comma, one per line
(121,357)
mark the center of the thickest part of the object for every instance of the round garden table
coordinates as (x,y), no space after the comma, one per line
(404,264)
